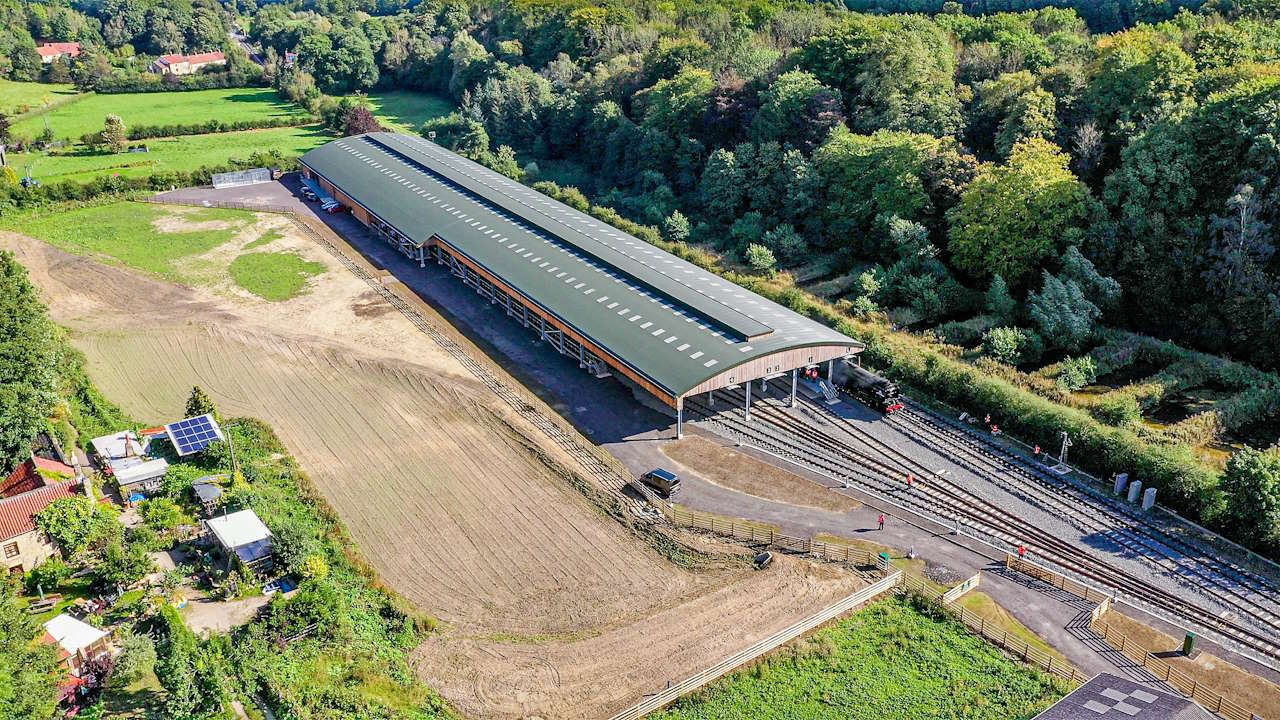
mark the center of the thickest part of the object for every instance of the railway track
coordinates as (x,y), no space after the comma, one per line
(1117,522)
(881,469)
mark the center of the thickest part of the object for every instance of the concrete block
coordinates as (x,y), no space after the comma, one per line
(1122,480)
(1148,498)
(1135,488)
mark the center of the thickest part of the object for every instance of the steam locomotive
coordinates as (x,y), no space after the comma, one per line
(873,390)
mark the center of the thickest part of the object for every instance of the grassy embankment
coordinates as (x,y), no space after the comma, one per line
(75,115)
(87,113)
(168,242)
(188,152)
(897,659)
(17,98)
(405,111)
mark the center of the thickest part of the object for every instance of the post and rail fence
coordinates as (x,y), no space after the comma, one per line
(770,535)
(659,700)
(1137,653)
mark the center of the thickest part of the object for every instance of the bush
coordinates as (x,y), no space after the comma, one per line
(144,132)
(761,258)
(965,333)
(1076,373)
(47,576)
(161,513)
(1004,344)
(137,658)
(1119,409)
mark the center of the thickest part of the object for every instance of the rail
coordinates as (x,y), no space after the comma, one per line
(1257,563)
(669,695)
(1134,651)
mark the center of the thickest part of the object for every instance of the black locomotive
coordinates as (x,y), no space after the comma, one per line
(873,390)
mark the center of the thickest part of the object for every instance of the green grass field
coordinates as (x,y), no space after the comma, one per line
(405,111)
(15,95)
(86,114)
(891,661)
(126,233)
(273,276)
(181,153)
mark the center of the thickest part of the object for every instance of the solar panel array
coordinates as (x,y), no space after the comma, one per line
(193,434)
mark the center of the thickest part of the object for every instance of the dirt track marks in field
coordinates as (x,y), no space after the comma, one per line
(555,608)
(597,676)
(434,485)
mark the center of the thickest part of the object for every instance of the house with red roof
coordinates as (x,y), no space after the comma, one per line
(50,51)
(35,473)
(186,64)
(22,545)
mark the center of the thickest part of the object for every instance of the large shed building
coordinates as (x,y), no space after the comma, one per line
(612,301)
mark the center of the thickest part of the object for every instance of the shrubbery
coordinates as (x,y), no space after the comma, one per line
(1119,409)
(147,82)
(143,132)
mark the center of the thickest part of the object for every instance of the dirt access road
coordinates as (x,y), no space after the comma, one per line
(551,608)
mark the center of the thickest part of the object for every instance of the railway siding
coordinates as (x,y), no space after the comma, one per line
(826,442)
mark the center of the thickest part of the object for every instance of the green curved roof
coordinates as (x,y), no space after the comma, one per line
(667,319)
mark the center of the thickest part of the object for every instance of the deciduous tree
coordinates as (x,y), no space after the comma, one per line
(114,135)
(1015,216)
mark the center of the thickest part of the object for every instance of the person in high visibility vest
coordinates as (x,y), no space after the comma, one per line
(882,521)
(1022,552)
(910,477)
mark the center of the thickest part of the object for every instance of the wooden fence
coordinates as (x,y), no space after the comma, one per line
(757,532)
(960,590)
(1057,580)
(1180,681)
(660,700)
(996,635)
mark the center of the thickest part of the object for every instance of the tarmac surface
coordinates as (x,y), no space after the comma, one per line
(633,427)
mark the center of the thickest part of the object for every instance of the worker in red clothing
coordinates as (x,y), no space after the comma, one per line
(882,521)
(910,477)
(1022,552)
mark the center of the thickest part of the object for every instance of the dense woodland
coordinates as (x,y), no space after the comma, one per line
(1006,170)
(1019,183)
(1019,172)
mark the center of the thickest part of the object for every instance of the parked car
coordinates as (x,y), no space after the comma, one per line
(664,481)
(306,193)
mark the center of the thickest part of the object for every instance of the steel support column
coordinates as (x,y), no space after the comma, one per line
(711,398)
(831,368)
(679,418)
(746,409)
(794,373)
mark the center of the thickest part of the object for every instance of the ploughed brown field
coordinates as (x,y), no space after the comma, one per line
(549,606)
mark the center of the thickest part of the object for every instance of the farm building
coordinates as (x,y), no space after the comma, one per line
(125,459)
(50,51)
(186,64)
(208,493)
(613,302)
